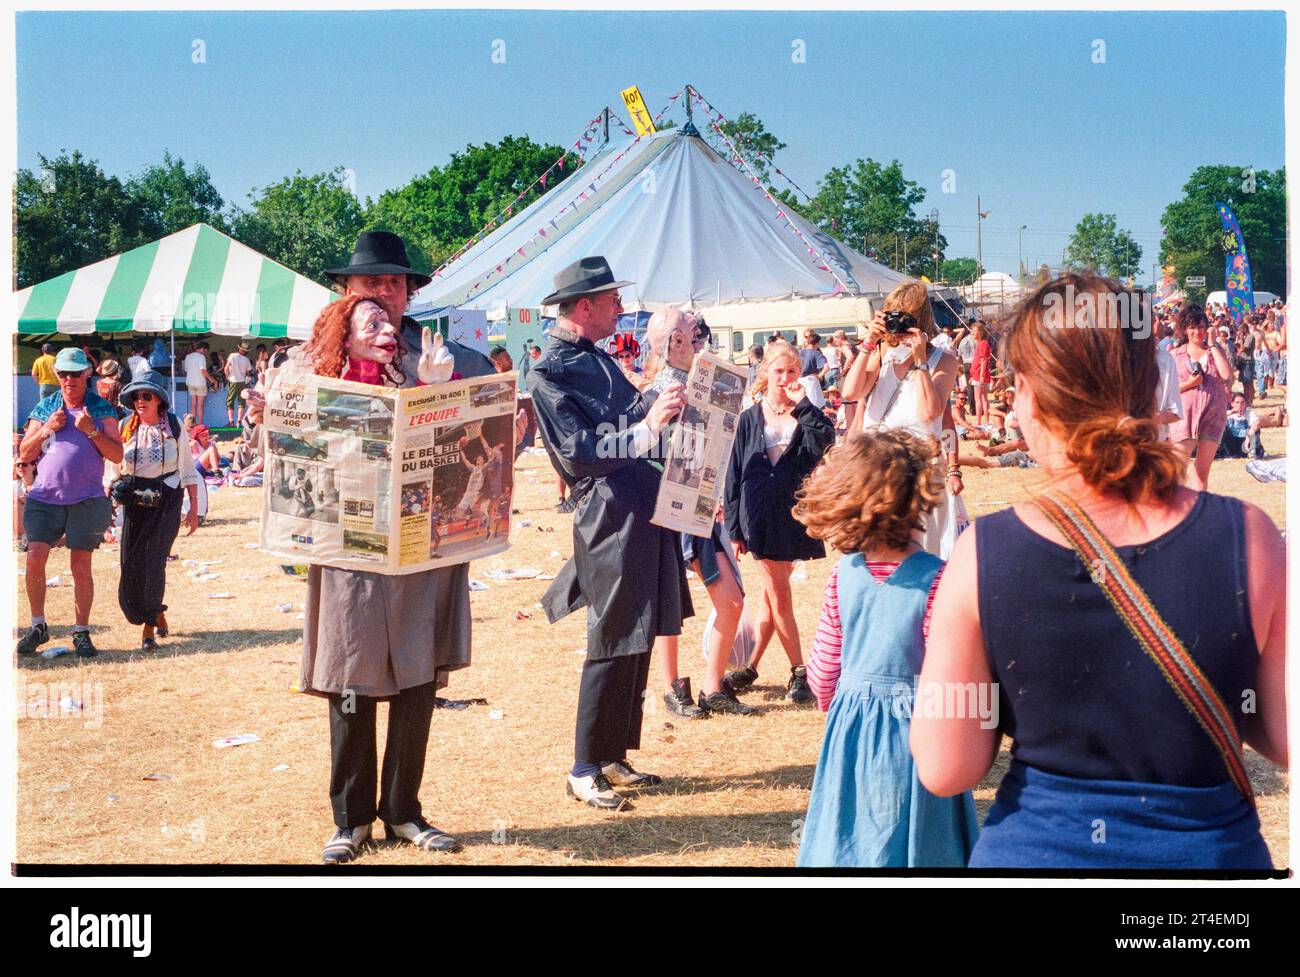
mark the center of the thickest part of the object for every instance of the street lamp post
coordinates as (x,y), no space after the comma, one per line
(934,220)
(979,238)
(1021,249)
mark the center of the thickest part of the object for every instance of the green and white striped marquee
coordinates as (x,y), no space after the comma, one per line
(194,281)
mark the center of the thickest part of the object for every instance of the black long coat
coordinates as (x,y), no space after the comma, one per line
(760,495)
(627,572)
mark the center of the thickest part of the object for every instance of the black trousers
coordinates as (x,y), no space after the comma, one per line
(610,700)
(353,765)
(147,537)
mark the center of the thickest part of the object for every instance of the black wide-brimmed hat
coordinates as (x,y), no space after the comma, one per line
(584,277)
(379,253)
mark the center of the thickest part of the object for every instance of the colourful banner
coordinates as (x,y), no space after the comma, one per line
(1236,266)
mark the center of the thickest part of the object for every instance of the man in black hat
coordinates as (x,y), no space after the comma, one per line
(626,571)
(379,270)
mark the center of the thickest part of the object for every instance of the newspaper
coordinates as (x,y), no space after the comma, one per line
(388,480)
(695,467)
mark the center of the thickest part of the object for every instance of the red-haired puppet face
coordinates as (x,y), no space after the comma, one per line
(371,335)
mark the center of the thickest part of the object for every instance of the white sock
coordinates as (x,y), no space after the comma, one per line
(37,621)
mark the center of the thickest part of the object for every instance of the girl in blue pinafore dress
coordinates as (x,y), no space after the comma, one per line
(868,807)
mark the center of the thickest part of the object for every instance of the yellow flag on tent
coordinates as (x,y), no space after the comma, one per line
(637,109)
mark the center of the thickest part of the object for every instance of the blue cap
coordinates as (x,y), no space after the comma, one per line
(72,359)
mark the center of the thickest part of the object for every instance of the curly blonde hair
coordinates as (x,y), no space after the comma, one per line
(873,490)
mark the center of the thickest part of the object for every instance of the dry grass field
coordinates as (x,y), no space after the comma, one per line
(735,790)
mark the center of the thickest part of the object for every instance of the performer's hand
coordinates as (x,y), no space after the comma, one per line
(191,521)
(666,407)
(436,361)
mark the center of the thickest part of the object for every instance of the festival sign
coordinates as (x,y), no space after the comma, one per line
(1236,266)
(636,107)
(695,467)
(391,481)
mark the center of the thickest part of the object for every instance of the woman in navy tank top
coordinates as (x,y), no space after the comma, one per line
(1110,768)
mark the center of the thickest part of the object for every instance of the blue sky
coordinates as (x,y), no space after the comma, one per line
(1012,102)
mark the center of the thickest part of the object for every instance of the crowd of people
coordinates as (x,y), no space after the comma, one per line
(857,445)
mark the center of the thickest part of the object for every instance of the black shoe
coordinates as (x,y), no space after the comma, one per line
(739,680)
(36,636)
(726,704)
(422,835)
(679,702)
(82,645)
(798,691)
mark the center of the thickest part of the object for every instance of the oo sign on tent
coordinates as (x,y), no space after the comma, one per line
(194,281)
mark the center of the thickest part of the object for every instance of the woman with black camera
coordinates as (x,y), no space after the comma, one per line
(156,465)
(904,381)
(1204,377)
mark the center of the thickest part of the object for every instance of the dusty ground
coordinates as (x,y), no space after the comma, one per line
(735,792)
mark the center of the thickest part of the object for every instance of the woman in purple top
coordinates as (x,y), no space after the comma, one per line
(73,432)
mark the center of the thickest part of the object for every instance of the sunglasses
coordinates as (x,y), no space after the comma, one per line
(144,395)
(65,375)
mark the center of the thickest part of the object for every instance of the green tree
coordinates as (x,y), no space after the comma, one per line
(959,271)
(174,198)
(308,223)
(69,213)
(1193,233)
(437,212)
(871,206)
(748,134)
(1098,244)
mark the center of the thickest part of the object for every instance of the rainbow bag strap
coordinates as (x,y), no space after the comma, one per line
(1157,639)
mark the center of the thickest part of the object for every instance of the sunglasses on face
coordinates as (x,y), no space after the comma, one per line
(64,375)
(144,396)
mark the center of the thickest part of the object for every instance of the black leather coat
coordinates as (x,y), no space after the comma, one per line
(627,572)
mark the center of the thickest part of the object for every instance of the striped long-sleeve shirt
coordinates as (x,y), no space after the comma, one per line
(824,659)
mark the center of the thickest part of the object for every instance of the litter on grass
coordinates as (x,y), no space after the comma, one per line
(157,776)
(239,740)
(477,585)
(222,596)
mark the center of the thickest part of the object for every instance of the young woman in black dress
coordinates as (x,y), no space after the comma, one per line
(779,441)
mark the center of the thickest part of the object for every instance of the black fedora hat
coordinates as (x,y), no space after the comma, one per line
(584,277)
(378,253)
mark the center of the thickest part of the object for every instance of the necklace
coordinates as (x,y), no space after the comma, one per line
(778,411)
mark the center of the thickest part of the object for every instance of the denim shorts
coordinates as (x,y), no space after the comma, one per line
(82,522)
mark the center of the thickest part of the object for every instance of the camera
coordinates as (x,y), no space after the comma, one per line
(125,492)
(897,321)
(1196,369)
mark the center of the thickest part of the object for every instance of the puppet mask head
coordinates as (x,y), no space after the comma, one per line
(671,336)
(371,335)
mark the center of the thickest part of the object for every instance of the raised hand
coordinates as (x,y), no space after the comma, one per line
(796,391)
(57,420)
(85,423)
(436,361)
